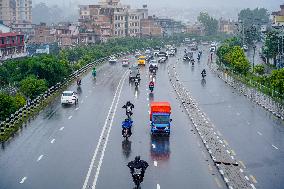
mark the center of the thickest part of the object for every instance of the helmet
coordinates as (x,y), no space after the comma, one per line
(137,158)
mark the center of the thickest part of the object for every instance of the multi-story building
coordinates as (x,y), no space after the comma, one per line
(23,11)
(111,19)
(150,28)
(170,26)
(134,21)
(8,11)
(43,35)
(278,18)
(12,45)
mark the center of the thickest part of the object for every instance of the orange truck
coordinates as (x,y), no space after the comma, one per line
(160,117)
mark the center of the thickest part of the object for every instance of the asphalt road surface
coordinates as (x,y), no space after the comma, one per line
(255,135)
(81,146)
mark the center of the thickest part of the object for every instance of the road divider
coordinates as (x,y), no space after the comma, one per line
(217,148)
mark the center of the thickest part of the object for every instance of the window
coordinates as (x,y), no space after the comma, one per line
(2,40)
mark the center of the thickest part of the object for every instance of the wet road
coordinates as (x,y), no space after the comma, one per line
(255,135)
(56,149)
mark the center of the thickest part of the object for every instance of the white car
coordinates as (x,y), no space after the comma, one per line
(112,59)
(125,62)
(154,63)
(69,97)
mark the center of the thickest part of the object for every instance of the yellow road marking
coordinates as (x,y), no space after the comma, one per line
(233,152)
(226,142)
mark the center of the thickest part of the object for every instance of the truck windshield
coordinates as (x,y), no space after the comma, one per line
(161,119)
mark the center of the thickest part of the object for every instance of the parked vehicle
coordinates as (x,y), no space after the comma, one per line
(69,97)
(160,117)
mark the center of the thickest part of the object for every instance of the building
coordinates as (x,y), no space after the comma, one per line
(278,18)
(8,11)
(195,29)
(227,26)
(23,11)
(149,27)
(170,26)
(43,35)
(111,19)
(12,45)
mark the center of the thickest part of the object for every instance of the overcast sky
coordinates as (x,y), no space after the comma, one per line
(269,4)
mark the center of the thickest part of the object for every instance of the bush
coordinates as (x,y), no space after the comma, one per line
(259,69)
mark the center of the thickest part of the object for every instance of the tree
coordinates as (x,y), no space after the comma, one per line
(252,21)
(32,87)
(276,80)
(270,48)
(7,106)
(259,69)
(210,24)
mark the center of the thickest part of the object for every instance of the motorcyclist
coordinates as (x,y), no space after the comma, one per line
(128,105)
(203,73)
(79,81)
(94,72)
(138,164)
(127,124)
(151,68)
(151,84)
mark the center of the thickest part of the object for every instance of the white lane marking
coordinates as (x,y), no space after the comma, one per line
(39,158)
(259,133)
(238,113)
(153,145)
(148,105)
(70,117)
(147,99)
(52,141)
(82,101)
(100,140)
(61,128)
(23,180)
(108,133)
(158,186)
(149,112)
(77,109)
(274,147)
(86,96)
(155,163)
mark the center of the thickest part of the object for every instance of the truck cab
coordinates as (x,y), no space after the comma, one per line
(160,117)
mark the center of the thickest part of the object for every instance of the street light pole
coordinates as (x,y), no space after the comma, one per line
(253,58)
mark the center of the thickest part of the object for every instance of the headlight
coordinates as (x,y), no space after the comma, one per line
(167,127)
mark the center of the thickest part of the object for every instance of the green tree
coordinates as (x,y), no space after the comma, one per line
(210,24)
(270,48)
(7,106)
(259,69)
(32,87)
(276,80)
(252,21)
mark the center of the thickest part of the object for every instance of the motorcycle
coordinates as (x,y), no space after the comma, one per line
(151,88)
(137,177)
(128,112)
(203,75)
(126,128)
(79,82)
(192,62)
(136,82)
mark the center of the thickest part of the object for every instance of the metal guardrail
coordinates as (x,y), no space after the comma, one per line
(221,154)
(30,107)
(253,94)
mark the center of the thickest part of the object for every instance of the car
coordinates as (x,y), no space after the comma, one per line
(137,54)
(156,51)
(162,59)
(112,59)
(171,53)
(125,62)
(154,63)
(245,47)
(148,51)
(134,71)
(163,54)
(69,97)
